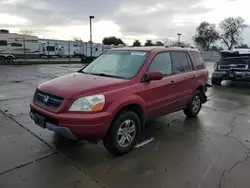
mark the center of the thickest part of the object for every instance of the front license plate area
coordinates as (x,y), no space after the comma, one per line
(39,120)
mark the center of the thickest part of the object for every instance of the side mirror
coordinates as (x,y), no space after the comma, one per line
(150,76)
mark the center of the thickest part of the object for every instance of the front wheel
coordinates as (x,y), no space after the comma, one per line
(194,106)
(123,133)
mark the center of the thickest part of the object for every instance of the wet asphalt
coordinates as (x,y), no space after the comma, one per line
(210,151)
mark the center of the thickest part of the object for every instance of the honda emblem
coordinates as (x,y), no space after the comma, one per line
(46,99)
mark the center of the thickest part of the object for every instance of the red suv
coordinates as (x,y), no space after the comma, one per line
(114,96)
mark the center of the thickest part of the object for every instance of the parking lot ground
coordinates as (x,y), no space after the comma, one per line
(212,150)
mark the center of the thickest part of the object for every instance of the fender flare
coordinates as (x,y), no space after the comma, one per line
(122,103)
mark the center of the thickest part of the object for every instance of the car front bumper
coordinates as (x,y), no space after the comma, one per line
(232,75)
(88,126)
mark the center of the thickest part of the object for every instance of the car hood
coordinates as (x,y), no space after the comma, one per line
(75,85)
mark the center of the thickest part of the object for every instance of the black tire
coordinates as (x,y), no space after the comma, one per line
(111,142)
(9,59)
(2,59)
(191,110)
(216,81)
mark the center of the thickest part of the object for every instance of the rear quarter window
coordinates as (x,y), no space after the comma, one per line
(197,60)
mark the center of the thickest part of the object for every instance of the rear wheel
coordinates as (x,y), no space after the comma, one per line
(216,81)
(123,133)
(10,59)
(194,106)
(2,59)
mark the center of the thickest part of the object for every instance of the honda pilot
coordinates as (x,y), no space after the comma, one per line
(112,98)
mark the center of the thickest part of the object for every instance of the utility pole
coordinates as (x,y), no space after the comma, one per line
(48,49)
(69,50)
(179,38)
(90,27)
(24,49)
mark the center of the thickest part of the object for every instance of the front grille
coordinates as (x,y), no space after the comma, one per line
(47,99)
(224,67)
(241,67)
(228,67)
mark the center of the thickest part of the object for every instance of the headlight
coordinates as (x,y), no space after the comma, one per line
(215,65)
(88,104)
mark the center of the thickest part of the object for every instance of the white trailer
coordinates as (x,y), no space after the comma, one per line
(13,46)
(47,48)
(65,49)
(97,49)
(80,49)
(69,48)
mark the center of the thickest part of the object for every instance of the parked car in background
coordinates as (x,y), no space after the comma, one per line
(234,65)
(113,97)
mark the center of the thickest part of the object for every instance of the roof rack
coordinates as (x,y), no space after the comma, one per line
(173,46)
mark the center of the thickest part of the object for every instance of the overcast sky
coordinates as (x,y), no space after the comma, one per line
(128,19)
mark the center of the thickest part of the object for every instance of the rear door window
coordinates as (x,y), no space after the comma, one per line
(197,60)
(162,63)
(180,62)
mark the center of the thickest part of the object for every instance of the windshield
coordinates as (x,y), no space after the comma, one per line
(119,64)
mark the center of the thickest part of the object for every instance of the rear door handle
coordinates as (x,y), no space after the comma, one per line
(171,83)
(193,77)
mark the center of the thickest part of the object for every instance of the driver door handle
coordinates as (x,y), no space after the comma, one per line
(193,77)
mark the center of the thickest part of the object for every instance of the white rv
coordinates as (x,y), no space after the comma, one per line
(79,49)
(72,48)
(97,49)
(61,48)
(65,48)
(14,46)
(47,48)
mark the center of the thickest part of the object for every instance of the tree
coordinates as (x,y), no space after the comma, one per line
(148,43)
(232,30)
(242,46)
(159,43)
(216,48)
(27,32)
(112,40)
(136,43)
(77,39)
(205,35)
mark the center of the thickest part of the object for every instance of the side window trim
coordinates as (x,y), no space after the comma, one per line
(165,75)
(191,63)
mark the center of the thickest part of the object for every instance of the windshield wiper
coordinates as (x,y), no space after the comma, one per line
(107,75)
(103,74)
